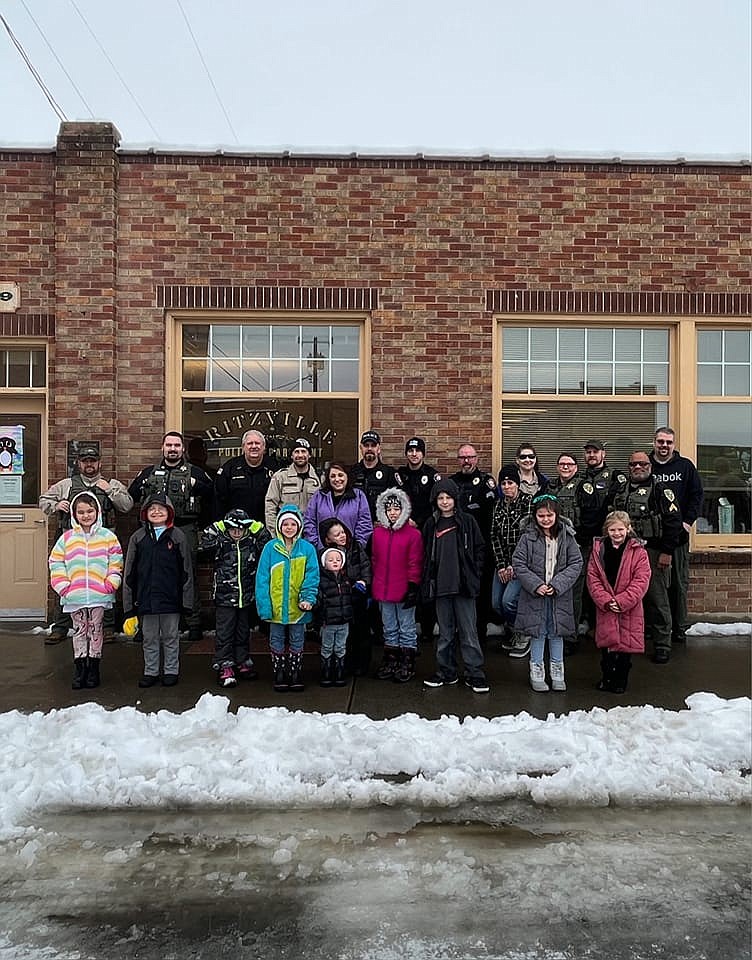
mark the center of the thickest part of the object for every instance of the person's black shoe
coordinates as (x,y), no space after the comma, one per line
(56,636)
(571,647)
(148,681)
(169,680)
(678,638)
(661,655)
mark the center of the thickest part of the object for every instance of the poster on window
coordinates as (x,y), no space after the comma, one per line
(11,464)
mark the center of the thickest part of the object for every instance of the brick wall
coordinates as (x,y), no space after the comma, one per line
(93,234)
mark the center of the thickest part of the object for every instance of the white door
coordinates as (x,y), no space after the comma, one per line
(23,526)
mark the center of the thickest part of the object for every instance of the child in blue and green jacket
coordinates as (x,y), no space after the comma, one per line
(287,583)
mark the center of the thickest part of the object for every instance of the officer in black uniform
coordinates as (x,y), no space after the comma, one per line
(417,478)
(371,475)
(186,485)
(656,518)
(477,495)
(242,482)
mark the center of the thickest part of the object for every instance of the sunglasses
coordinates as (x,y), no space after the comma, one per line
(543,497)
(639,463)
(526,456)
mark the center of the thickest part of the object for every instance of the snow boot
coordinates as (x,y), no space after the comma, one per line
(389,663)
(622,666)
(406,669)
(340,679)
(608,671)
(279,667)
(326,672)
(79,673)
(538,677)
(295,667)
(92,673)
(556,668)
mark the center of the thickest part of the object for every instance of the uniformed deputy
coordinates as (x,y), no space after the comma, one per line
(112,496)
(295,484)
(477,495)
(370,474)
(656,518)
(186,485)
(241,482)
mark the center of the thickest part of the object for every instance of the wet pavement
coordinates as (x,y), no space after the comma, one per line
(505,881)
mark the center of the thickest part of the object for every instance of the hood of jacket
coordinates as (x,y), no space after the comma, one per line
(75,525)
(162,499)
(287,511)
(445,485)
(393,493)
(326,525)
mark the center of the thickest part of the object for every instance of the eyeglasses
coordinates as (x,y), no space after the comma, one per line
(664,443)
(526,456)
(474,456)
(566,463)
(543,497)
(639,463)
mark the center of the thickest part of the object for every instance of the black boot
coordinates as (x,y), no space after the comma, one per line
(279,666)
(295,665)
(622,666)
(326,672)
(389,663)
(608,671)
(406,668)
(339,672)
(92,673)
(79,673)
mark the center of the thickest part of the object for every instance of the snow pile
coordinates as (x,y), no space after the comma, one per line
(720,630)
(89,757)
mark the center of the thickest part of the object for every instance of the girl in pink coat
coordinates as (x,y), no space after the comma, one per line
(397,562)
(618,576)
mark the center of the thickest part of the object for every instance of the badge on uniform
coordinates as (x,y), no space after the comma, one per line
(588,488)
(424,479)
(476,481)
(379,474)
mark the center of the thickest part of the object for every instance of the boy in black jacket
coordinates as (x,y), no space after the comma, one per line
(236,542)
(157,587)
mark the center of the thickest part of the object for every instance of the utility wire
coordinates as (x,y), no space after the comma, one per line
(34,72)
(54,54)
(208,73)
(117,72)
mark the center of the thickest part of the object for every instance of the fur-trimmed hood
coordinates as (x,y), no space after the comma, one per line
(393,493)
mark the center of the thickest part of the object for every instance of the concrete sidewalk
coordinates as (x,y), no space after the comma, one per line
(38,677)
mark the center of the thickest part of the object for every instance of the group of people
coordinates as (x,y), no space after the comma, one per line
(372,551)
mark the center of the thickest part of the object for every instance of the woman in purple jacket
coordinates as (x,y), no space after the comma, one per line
(338,498)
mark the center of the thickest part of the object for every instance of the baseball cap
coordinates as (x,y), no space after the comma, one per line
(88,453)
(416,443)
(302,444)
(370,436)
(597,444)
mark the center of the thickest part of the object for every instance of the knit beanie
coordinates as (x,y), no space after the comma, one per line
(509,472)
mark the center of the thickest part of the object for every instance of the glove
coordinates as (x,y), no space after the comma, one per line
(410,598)
(130,626)
(359,586)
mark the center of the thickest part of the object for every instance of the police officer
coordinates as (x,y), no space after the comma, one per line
(370,474)
(242,482)
(113,498)
(417,478)
(295,484)
(477,495)
(656,518)
(186,485)
(679,474)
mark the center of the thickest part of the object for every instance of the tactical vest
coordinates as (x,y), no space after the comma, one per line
(567,497)
(176,484)
(78,486)
(646,523)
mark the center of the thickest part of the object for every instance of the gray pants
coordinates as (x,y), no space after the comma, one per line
(161,631)
(457,614)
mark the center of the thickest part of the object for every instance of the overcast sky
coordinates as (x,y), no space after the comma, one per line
(658,78)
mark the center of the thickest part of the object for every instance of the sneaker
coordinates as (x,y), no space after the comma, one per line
(538,677)
(247,671)
(521,646)
(477,684)
(227,676)
(557,675)
(438,680)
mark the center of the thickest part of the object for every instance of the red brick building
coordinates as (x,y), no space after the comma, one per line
(494,301)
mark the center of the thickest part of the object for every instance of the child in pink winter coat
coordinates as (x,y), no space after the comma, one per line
(618,577)
(397,562)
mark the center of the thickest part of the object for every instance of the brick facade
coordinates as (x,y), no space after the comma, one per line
(101,240)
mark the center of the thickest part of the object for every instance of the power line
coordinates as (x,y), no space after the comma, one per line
(34,72)
(208,74)
(115,69)
(54,54)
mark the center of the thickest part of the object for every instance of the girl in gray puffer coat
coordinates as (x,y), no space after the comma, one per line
(547,562)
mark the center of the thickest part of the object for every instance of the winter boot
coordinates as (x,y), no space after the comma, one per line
(406,669)
(389,663)
(79,673)
(279,667)
(227,676)
(339,672)
(326,671)
(622,666)
(556,668)
(92,673)
(608,671)
(538,677)
(295,662)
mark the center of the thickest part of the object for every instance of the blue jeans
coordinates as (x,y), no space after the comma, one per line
(546,632)
(504,598)
(457,614)
(334,639)
(278,633)
(399,625)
